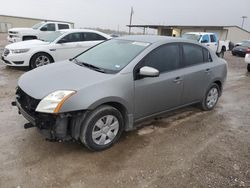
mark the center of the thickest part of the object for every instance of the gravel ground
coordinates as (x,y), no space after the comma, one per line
(187,148)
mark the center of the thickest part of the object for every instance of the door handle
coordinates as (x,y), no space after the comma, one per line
(208,44)
(208,70)
(177,80)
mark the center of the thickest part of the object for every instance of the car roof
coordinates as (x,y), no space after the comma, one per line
(152,38)
(78,30)
(67,31)
(199,33)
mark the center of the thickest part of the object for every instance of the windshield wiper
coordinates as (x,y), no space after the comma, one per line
(93,67)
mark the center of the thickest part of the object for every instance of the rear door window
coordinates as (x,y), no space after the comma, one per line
(88,36)
(63,26)
(206,56)
(212,38)
(192,54)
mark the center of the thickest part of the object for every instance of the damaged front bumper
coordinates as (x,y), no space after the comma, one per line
(53,127)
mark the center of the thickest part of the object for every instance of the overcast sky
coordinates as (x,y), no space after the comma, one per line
(111,13)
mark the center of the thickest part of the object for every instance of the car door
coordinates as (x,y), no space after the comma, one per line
(197,72)
(68,47)
(157,94)
(213,42)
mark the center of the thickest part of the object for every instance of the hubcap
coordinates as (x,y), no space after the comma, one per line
(42,60)
(212,97)
(105,130)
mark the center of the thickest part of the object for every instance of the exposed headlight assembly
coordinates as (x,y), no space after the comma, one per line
(19,51)
(54,101)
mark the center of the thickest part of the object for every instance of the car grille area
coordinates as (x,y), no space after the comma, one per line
(28,103)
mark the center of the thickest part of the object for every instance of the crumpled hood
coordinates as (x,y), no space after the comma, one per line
(26,44)
(64,75)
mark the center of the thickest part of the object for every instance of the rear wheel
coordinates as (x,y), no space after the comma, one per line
(40,59)
(211,98)
(248,67)
(102,128)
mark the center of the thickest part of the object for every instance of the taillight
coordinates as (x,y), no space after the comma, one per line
(248,51)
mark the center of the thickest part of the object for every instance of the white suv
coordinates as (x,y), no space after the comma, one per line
(56,46)
(36,32)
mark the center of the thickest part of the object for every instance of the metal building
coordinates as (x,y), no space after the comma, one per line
(7,22)
(232,33)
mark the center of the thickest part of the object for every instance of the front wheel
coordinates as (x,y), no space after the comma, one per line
(211,98)
(39,60)
(102,128)
(248,67)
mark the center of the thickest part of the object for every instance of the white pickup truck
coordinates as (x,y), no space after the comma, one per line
(36,32)
(210,40)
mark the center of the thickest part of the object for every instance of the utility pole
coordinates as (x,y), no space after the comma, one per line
(243,20)
(130,20)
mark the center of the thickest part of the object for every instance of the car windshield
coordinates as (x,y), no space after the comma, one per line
(191,36)
(36,26)
(113,55)
(50,37)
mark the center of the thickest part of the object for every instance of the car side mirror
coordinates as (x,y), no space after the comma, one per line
(149,72)
(44,29)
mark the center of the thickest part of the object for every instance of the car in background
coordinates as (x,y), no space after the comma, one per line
(36,32)
(210,40)
(111,87)
(56,46)
(247,59)
(242,49)
(240,43)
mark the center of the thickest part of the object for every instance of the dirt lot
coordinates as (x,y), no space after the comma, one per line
(188,148)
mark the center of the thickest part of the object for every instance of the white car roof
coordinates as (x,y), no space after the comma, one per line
(199,33)
(85,30)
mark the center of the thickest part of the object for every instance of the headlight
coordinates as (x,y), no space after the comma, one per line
(18,51)
(54,101)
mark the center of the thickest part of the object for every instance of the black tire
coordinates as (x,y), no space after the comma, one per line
(248,67)
(89,124)
(221,54)
(204,105)
(33,59)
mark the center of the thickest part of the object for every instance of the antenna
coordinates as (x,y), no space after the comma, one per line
(243,20)
(130,20)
